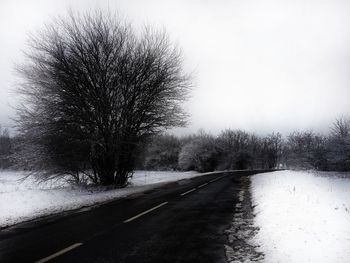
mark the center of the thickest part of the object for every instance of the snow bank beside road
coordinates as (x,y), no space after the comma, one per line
(25,199)
(302,217)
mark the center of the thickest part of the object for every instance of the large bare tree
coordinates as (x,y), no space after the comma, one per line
(93,88)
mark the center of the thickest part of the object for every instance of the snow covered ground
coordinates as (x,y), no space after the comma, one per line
(302,216)
(25,199)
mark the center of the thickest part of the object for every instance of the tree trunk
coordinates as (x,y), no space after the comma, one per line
(124,164)
(107,177)
(103,164)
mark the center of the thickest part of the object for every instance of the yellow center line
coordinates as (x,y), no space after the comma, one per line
(143,213)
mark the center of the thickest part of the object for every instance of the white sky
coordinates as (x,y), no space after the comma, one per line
(263,66)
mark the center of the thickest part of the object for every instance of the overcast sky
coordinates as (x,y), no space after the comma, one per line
(262,66)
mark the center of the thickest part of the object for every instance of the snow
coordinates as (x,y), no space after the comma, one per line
(303,216)
(22,198)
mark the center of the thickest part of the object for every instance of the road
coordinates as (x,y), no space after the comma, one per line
(179,222)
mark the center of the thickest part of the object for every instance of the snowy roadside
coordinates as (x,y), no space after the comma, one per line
(23,200)
(302,216)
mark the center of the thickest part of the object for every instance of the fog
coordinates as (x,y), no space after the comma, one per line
(261,66)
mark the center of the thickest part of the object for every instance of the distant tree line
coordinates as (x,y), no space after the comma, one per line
(230,150)
(309,150)
(203,152)
(237,149)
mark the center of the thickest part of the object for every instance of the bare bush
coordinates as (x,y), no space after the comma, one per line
(93,89)
(339,145)
(234,150)
(199,152)
(306,150)
(162,153)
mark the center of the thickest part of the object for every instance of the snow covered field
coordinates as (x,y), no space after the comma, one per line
(302,216)
(22,200)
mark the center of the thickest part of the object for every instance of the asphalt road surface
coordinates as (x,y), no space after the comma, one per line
(179,222)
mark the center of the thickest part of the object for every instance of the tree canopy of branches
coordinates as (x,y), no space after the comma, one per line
(93,88)
(305,150)
(199,152)
(338,153)
(241,150)
(234,148)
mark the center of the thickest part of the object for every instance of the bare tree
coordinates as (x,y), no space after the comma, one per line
(5,148)
(306,150)
(162,153)
(234,148)
(341,127)
(93,88)
(339,145)
(271,150)
(199,153)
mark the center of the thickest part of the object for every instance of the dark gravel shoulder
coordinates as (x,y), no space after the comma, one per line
(240,246)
